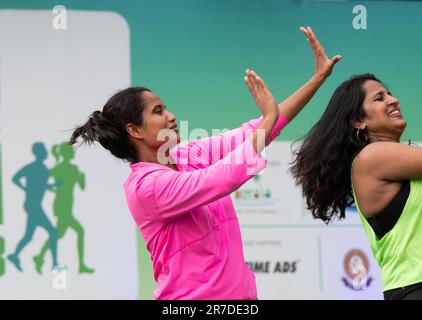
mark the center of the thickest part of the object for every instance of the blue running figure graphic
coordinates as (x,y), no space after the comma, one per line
(36,184)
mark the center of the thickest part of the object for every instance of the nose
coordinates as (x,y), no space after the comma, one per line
(170,117)
(393,101)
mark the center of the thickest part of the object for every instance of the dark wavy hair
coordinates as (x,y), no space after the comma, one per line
(322,164)
(108,127)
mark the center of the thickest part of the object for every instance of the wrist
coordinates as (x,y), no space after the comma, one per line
(272,117)
(318,79)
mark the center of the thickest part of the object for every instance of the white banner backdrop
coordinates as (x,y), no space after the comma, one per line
(51,80)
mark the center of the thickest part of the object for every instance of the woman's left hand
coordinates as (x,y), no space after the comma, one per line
(323,65)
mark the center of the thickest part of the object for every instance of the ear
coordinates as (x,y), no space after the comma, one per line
(360,125)
(135,131)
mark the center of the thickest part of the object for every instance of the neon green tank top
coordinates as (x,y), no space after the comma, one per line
(399,252)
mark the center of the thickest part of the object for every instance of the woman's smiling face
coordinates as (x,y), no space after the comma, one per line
(383,120)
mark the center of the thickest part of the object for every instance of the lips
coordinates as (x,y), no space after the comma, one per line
(395,113)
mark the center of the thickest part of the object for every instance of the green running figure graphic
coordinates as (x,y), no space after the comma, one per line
(70,176)
(36,176)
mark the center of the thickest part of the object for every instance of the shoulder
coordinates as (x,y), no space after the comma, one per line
(139,186)
(389,161)
(375,148)
(377,151)
(143,176)
(371,156)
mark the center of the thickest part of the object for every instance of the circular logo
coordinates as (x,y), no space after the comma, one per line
(355,262)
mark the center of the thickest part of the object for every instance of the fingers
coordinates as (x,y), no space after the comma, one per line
(309,37)
(251,81)
(248,83)
(336,59)
(260,83)
(313,37)
(306,32)
(255,80)
(252,78)
(313,41)
(255,84)
(312,34)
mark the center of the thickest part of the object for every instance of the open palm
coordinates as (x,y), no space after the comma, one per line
(264,99)
(323,65)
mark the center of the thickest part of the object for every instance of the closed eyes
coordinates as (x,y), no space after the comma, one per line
(159,109)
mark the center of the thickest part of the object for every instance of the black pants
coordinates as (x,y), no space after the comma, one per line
(412,292)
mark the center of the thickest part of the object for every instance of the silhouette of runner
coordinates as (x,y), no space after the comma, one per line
(70,176)
(36,183)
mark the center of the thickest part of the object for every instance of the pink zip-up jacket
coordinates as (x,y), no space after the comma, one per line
(187,218)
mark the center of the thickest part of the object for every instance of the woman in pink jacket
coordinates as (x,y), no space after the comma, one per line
(180,199)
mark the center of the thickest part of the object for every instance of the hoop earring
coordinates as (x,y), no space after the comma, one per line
(359,139)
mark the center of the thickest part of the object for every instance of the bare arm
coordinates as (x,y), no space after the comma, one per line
(323,69)
(390,161)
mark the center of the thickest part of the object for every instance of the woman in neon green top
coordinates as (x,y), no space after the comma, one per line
(354,153)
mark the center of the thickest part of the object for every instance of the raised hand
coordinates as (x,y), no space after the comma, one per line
(323,65)
(261,94)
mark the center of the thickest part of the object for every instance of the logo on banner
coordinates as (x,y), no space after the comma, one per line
(356,266)
(258,193)
(290,266)
(35,179)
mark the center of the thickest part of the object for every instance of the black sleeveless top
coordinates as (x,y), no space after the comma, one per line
(384,221)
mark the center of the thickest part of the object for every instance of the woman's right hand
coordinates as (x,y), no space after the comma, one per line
(262,95)
(323,65)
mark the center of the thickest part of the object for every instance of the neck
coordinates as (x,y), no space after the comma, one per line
(383,138)
(150,155)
